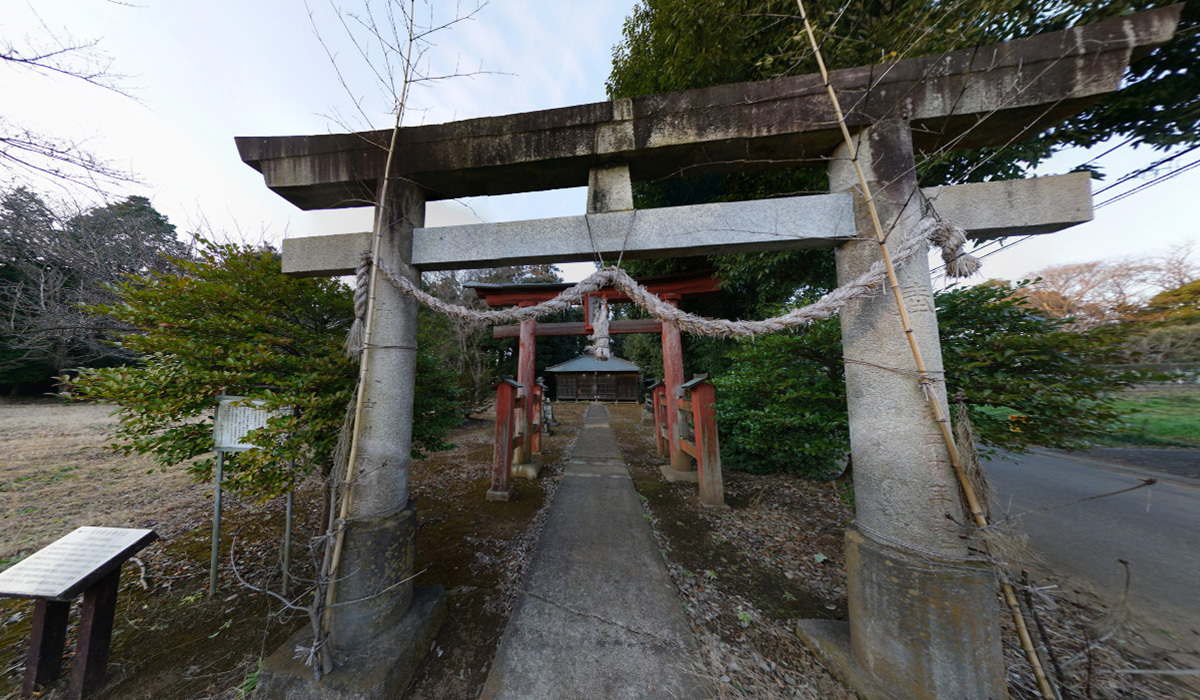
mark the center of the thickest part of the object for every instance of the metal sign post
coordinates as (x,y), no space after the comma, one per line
(287,545)
(235,417)
(216,535)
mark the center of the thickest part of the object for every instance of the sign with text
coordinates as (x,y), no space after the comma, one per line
(237,416)
(66,567)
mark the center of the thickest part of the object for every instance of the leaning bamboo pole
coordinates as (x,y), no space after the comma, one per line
(977,514)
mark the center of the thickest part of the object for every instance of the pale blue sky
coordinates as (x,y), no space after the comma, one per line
(205,72)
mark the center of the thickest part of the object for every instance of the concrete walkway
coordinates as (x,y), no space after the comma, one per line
(597,617)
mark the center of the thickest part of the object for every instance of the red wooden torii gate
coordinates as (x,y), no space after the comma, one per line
(668,398)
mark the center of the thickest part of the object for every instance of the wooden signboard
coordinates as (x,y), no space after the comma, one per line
(69,566)
(86,561)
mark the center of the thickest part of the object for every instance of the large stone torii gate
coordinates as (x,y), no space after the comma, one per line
(923,615)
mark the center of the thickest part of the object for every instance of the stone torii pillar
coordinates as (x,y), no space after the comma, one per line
(380,625)
(909,575)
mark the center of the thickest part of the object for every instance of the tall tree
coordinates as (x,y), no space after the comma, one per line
(677,45)
(1173,319)
(674,45)
(51,265)
(1100,292)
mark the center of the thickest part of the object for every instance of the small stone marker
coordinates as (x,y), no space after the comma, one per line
(86,561)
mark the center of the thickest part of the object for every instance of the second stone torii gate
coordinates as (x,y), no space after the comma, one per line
(922,613)
(670,288)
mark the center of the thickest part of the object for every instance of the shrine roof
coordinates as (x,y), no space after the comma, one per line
(588,363)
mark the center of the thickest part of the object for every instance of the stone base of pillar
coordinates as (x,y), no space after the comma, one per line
(500,495)
(377,553)
(378,671)
(528,470)
(829,641)
(672,475)
(921,626)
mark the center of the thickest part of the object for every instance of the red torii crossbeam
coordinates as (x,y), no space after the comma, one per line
(666,287)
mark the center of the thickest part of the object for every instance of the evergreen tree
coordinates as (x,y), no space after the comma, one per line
(229,322)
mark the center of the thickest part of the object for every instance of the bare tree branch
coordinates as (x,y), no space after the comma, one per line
(26,152)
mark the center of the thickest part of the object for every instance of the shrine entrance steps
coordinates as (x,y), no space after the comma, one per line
(597,616)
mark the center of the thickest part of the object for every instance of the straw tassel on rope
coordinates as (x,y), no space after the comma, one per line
(362,282)
(599,337)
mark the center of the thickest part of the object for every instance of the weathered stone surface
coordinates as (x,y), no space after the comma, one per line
(969,98)
(903,482)
(380,472)
(380,671)
(829,641)
(923,621)
(931,628)
(1015,207)
(985,210)
(690,476)
(381,522)
(527,470)
(917,647)
(772,224)
(378,554)
(323,256)
(609,189)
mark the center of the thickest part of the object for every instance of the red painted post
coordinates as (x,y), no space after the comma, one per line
(708,451)
(658,397)
(502,452)
(673,379)
(525,368)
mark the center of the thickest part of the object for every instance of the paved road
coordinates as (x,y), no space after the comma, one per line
(1156,529)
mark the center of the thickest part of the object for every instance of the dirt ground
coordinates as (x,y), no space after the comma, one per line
(172,642)
(55,475)
(744,574)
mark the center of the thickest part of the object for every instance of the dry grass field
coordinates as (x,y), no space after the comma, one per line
(56,475)
(172,642)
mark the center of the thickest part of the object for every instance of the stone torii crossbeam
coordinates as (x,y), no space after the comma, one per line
(923,615)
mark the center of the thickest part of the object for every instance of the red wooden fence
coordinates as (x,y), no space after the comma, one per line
(510,408)
(697,403)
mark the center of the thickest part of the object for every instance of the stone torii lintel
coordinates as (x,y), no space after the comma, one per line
(985,210)
(987,96)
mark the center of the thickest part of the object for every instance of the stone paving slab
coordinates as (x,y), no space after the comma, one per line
(597,616)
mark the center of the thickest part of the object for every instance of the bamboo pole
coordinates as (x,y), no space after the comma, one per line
(977,514)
